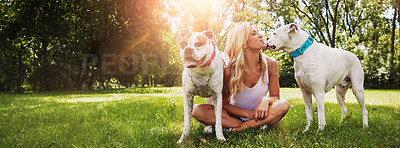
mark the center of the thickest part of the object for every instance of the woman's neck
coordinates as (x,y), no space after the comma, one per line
(252,59)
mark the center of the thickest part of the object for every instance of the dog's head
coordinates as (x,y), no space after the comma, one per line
(282,38)
(196,47)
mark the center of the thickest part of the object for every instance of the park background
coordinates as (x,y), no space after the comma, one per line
(100,44)
(107,73)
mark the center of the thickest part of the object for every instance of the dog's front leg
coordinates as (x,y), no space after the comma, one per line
(187,107)
(319,98)
(307,98)
(218,114)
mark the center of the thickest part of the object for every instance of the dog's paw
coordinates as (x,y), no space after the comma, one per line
(181,139)
(365,127)
(320,131)
(221,139)
(307,129)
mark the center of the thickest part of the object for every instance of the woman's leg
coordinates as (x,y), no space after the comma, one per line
(277,111)
(204,113)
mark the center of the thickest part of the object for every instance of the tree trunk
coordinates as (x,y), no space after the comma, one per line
(154,81)
(21,70)
(150,81)
(393,38)
(334,24)
(398,14)
(91,80)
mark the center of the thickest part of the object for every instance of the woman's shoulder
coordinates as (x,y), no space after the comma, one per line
(270,60)
(273,65)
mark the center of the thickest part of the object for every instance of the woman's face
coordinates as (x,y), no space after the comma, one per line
(255,41)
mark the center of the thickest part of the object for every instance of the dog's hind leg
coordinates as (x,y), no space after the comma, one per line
(357,83)
(307,98)
(188,108)
(341,90)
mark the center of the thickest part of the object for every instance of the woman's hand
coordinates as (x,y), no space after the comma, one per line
(261,112)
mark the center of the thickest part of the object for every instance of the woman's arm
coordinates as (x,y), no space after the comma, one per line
(273,73)
(261,112)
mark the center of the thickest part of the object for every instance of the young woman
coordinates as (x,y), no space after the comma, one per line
(249,76)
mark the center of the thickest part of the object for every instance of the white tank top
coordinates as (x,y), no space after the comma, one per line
(249,98)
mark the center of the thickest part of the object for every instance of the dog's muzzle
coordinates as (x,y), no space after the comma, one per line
(267,47)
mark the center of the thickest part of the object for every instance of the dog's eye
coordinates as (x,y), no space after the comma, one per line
(274,33)
(198,44)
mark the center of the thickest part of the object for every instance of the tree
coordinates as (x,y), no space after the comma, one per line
(357,26)
(58,44)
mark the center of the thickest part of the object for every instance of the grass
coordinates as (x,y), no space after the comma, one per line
(153,117)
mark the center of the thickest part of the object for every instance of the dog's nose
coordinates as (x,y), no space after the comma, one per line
(267,38)
(189,50)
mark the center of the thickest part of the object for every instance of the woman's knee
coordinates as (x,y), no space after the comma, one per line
(195,112)
(198,110)
(283,105)
(286,105)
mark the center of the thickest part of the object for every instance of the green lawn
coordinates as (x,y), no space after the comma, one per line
(153,117)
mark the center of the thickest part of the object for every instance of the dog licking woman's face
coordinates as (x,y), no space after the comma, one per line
(281,38)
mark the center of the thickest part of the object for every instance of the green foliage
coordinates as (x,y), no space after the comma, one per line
(361,27)
(153,117)
(74,45)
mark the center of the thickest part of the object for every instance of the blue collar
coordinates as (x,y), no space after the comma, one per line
(304,47)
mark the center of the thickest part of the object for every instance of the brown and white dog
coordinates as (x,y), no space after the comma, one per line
(202,74)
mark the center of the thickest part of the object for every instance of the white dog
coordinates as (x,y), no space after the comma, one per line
(318,68)
(202,74)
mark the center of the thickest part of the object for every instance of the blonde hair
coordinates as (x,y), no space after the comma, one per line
(235,52)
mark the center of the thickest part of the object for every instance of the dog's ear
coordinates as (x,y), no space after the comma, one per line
(182,34)
(210,35)
(293,27)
